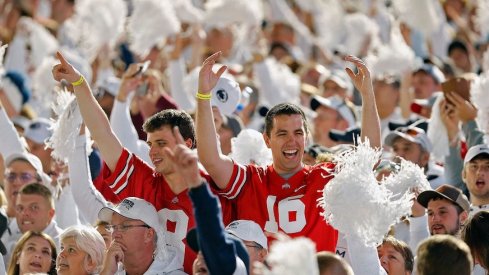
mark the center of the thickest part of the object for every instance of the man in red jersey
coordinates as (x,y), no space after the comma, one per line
(282,196)
(126,175)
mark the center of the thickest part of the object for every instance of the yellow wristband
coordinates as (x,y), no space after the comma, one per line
(78,82)
(203,96)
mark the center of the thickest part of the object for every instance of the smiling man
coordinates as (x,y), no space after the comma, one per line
(34,208)
(282,196)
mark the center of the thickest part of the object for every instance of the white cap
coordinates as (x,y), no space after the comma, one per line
(412,134)
(32,160)
(226,95)
(110,84)
(336,103)
(247,230)
(474,151)
(138,209)
(132,208)
(39,130)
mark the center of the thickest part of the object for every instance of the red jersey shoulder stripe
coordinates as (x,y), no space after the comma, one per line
(123,175)
(239,181)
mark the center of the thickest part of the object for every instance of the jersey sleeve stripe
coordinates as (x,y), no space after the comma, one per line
(123,173)
(237,184)
(125,182)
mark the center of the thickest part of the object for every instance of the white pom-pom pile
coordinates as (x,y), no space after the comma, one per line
(220,13)
(420,15)
(291,257)
(187,12)
(482,18)
(98,23)
(249,147)
(479,92)
(150,23)
(66,128)
(357,205)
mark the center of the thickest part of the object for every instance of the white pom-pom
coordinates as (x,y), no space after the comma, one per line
(249,147)
(150,23)
(393,58)
(43,88)
(482,18)
(221,13)
(410,177)
(355,203)
(479,92)
(66,128)
(359,29)
(187,12)
(420,15)
(97,23)
(291,257)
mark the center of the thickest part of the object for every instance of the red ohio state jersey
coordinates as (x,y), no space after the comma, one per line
(132,177)
(283,205)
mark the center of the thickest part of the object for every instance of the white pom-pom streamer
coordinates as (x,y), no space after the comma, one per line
(150,23)
(479,91)
(97,23)
(187,12)
(221,13)
(420,15)
(482,18)
(393,58)
(356,204)
(291,257)
(249,147)
(410,177)
(66,128)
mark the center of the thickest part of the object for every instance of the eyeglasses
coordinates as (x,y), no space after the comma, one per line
(24,177)
(123,227)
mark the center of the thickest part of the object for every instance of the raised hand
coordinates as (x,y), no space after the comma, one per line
(361,80)
(465,109)
(207,78)
(65,70)
(184,160)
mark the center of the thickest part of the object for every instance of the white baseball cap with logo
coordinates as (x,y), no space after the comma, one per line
(226,95)
(247,230)
(138,209)
(474,151)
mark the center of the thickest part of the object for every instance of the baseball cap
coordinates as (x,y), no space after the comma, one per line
(21,121)
(132,208)
(340,78)
(432,71)
(247,230)
(233,123)
(335,103)
(32,160)
(419,123)
(474,151)
(226,95)
(110,85)
(412,134)
(138,209)
(39,130)
(241,252)
(445,191)
(418,104)
(348,136)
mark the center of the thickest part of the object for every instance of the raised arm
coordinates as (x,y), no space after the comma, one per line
(93,115)
(370,117)
(219,166)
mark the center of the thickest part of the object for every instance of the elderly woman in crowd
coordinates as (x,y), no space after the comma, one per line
(34,253)
(82,251)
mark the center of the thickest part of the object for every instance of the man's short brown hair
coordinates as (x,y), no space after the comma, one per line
(38,189)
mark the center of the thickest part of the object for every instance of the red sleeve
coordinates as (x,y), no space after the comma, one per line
(235,184)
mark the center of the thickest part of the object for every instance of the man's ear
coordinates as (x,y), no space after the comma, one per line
(463,217)
(267,139)
(150,235)
(464,174)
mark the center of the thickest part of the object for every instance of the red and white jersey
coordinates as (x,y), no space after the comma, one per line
(283,205)
(132,177)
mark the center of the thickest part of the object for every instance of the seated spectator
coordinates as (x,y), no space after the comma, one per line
(34,252)
(101,227)
(82,251)
(443,254)
(138,244)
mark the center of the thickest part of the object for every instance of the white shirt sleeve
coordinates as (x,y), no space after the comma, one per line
(418,231)
(88,199)
(66,209)
(363,260)
(177,71)
(121,123)
(10,140)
